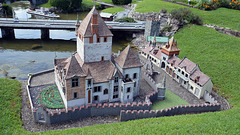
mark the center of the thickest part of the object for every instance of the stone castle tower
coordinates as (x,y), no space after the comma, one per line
(152,27)
(93,34)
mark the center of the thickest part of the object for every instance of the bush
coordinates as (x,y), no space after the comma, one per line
(125,19)
(66,5)
(7,9)
(163,11)
(121,2)
(183,14)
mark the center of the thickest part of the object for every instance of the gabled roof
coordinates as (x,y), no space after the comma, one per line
(73,68)
(100,71)
(85,26)
(201,78)
(128,58)
(187,64)
(156,52)
(174,61)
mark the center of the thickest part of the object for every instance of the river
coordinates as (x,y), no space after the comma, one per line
(17,58)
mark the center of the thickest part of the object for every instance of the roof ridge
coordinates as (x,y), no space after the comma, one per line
(126,55)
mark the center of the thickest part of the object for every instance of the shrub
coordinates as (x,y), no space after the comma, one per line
(183,14)
(7,9)
(163,11)
(121,2)
(125,19)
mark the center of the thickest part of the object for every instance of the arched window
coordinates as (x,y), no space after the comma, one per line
(105,91)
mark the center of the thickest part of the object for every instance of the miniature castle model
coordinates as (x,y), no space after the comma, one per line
(184,71)
(94,74)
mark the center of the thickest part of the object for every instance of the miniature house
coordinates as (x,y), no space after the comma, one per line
(93,74)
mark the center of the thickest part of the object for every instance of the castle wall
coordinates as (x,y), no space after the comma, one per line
(177,110)
(75,113)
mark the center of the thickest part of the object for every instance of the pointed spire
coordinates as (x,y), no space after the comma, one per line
(94,3)
(77,20)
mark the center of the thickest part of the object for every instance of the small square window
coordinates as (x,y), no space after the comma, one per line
(182,73)
(95,98)
(116,79)
(185,82)
(128,97)
(75,95)
(105,39)
(105,91)
(128,89)
(134,75)
(115,89)
(186,75)
(179,70)
(115,96)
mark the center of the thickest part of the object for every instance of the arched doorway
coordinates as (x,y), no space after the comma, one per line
(163,65)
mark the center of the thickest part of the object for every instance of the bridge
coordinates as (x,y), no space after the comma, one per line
(8,25)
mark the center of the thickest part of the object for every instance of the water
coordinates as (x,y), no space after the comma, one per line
(17,57)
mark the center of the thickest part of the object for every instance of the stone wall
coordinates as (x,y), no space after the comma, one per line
(223,30)
(177,110)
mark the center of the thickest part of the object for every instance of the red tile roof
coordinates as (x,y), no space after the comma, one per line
(186,63)
(85,26)
(156,52)
(174,60)
(201,78)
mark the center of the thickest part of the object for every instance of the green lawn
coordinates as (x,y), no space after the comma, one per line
(113,10)
(221,17)
(170,100)
(217,55)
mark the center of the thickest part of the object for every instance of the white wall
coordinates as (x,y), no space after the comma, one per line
(91,52)
(60,89)
(124,92)
(101,96)
(131,71)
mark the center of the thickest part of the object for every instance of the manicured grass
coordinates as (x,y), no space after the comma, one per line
(113,10)
(221,17)
(217,55)
(170,100)
(10,107)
